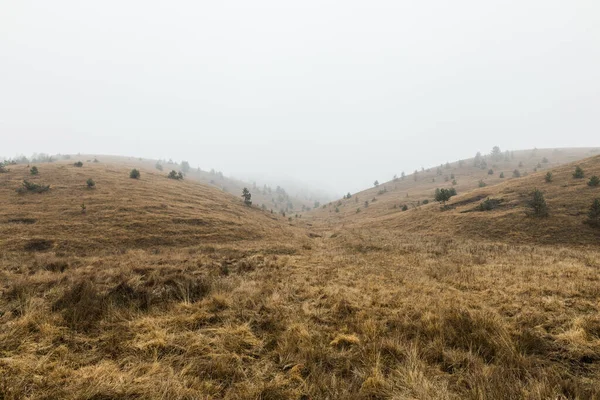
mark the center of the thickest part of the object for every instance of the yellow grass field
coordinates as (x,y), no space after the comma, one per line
(167,289)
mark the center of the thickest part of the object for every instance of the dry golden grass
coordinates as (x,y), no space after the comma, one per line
(389,197)
(126,301)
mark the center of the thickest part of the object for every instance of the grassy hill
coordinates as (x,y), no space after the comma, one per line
(390,197)
(175,290)
(568,200)
(273,198)
(123,213)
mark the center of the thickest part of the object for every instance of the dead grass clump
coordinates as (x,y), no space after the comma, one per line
(343,340)
(344,309)
(476,331)
(126,295)
(375,387)
(591,327)
(82,306)
(178,286)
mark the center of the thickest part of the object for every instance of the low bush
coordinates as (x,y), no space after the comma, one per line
(134,174)
(33,187)
(175,175)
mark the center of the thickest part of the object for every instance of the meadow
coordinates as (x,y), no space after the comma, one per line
(172,289)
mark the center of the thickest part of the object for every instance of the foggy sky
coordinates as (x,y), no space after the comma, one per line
(334,93)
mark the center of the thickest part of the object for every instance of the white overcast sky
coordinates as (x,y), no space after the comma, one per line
(334,93)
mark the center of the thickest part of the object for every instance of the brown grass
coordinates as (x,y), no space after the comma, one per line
(173,290)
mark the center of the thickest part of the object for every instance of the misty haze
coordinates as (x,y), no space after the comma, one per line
(311,200)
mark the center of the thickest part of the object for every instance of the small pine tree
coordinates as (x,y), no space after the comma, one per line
(247,197)
(491,172)
(90,183)
(548,178)
(594,214)
(134,174)
(376,183)
(443,195)
(404,207)
(501,174)
(516,173)
(482,184)
(78,164)
(175,175)
(34,170)
(538,204)
(454,183)
(158,166)
(578,174)
(33,187)
(594,181)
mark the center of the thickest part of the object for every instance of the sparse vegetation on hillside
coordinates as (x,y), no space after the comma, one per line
(33,187)
(134,174)
(594,181)
(175,175)
(578,174)
(443,195)
(247,197)
(537,204)
(594,214)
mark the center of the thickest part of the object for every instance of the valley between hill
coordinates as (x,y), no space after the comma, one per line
(172,289)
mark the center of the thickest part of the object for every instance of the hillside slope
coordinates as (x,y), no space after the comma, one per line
(123,213)
(390,197)
(568,200)
(275,198)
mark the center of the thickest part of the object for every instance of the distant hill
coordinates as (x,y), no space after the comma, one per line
(568,200)
(123,213)
(464,176)
(275,198)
